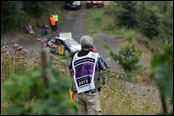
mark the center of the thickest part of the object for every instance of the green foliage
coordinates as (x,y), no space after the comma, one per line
(128,57)
(106,46)
(12,15)
(107,74)
(94,20)
(124,13)
(162,71)
(148,20)
(36,9)
(166,25)
(153,19)
(20,90)
(15,15)
(126,16)
(130,36)
(162,64)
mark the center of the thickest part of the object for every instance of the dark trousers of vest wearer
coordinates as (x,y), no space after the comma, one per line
(56,25)
(53,27)
(89,103)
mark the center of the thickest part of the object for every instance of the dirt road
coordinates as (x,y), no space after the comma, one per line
(74,23)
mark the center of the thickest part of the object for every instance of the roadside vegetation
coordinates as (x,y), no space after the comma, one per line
(16,15)
(19,65)
(116,100)
(145,28)
(29,80)
(162,74)
(152,21)
(31,84)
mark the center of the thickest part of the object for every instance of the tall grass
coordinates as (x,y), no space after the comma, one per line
(19,60)
(93,23)
(16,61)
(114,100)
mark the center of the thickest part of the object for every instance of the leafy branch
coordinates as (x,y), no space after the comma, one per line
(162,74)
(38,92)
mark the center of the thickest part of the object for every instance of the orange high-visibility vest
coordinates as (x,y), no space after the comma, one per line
(52,20)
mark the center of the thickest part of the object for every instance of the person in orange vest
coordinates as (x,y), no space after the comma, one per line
(56,19)
(52,23)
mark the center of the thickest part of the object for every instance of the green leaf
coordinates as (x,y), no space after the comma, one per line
(106,46)
(35,74)
(39,108)
(50,76)
(30,86)
(9,86)
(14,109)
(164,78)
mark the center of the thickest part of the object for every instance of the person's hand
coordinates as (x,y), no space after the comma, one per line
(93,49)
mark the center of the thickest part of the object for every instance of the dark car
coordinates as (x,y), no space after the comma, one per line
(97,4)
(70,45)
(72,5)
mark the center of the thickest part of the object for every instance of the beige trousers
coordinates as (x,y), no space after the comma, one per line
(89,104)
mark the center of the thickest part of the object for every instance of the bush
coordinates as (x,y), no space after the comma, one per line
(166,24)
(127,16)
(151,18)
(36,9)
(12,16)
(16,14)
(128,57)
(39,92)
(30,86)
(148,21)
(130,36)
(124,13)
(108,22)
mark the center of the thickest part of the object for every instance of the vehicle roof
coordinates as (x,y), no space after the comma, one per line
(63,39)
